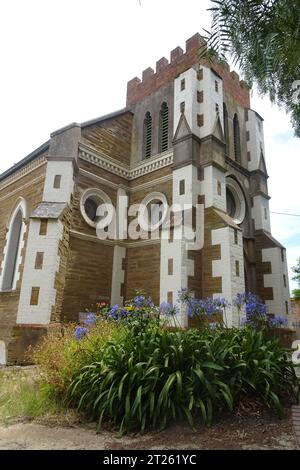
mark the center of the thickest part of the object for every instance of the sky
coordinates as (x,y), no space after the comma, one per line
(70,60)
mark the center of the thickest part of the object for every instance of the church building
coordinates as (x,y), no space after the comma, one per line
(187,135)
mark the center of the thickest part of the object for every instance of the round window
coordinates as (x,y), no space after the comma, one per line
(90,207)
(230,203)
(235,201)
(90,202)
(153,211)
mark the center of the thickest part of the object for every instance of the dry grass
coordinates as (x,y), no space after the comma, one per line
(22,396)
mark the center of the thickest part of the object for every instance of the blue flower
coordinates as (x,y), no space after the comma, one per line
(141,301)
(80,332)
(277,321)
(184,295)
(90,319)
(167,308)
(256,309)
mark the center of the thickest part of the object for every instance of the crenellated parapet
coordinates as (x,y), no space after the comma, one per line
(181,61)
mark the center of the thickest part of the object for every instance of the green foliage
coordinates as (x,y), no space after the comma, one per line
(296,277)
(149,379)
(296,294)
(263,38)
(59,355)
(296,271)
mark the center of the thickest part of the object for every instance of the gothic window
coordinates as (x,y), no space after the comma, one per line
(225,122)
(236,139)
(147,136)
(10,268)
(164,128)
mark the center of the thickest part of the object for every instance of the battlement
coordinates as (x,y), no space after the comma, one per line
(180,61)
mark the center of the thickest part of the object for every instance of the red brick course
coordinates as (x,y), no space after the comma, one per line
(137,90)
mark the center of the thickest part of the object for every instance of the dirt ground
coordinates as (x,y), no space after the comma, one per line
(251,432)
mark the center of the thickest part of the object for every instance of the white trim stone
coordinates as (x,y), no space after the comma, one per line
(23,206)
(118,275)
(225,268)
(258,211)
(63,193)
(45,278)
(113,166)
(281,294)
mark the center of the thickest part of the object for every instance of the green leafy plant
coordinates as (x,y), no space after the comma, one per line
(263,38)
(157,376)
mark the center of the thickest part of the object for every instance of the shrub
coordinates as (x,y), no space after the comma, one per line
(61,355)
(148,379)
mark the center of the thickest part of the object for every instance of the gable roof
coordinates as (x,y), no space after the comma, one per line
(45,146)
(25,160)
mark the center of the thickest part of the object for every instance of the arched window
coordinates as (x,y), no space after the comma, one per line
(12,255)
(164,128)
(236,139)
(226,133)
(147,138)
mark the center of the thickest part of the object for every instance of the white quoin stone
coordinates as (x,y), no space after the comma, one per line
(226,268)
(118,275)
(255,144)
(281,293)
(45,278)
(261,213)
(209,187)
(177,249)
(64,169)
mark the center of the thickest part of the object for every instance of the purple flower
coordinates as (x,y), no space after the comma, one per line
(167,308)
(90,319)
(184,295)
(80,332)
(141,301)
(256,309)
(277,321)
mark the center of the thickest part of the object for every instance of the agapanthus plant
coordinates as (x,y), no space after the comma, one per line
(277,321)
(90,319)
(202,309)
(80,332)
(255,308)
(169,309)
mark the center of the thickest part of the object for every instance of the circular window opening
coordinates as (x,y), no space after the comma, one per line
(235,201)
(230,203)
(89,204)
(153,211)
(90,207)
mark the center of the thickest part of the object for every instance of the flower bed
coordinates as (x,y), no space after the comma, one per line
(125,366)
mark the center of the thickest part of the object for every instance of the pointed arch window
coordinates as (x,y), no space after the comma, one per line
(147,147)
(164,127)
(237,139)
(226,133)
(12,255)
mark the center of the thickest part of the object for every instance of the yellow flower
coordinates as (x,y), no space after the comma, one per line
(130,308)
